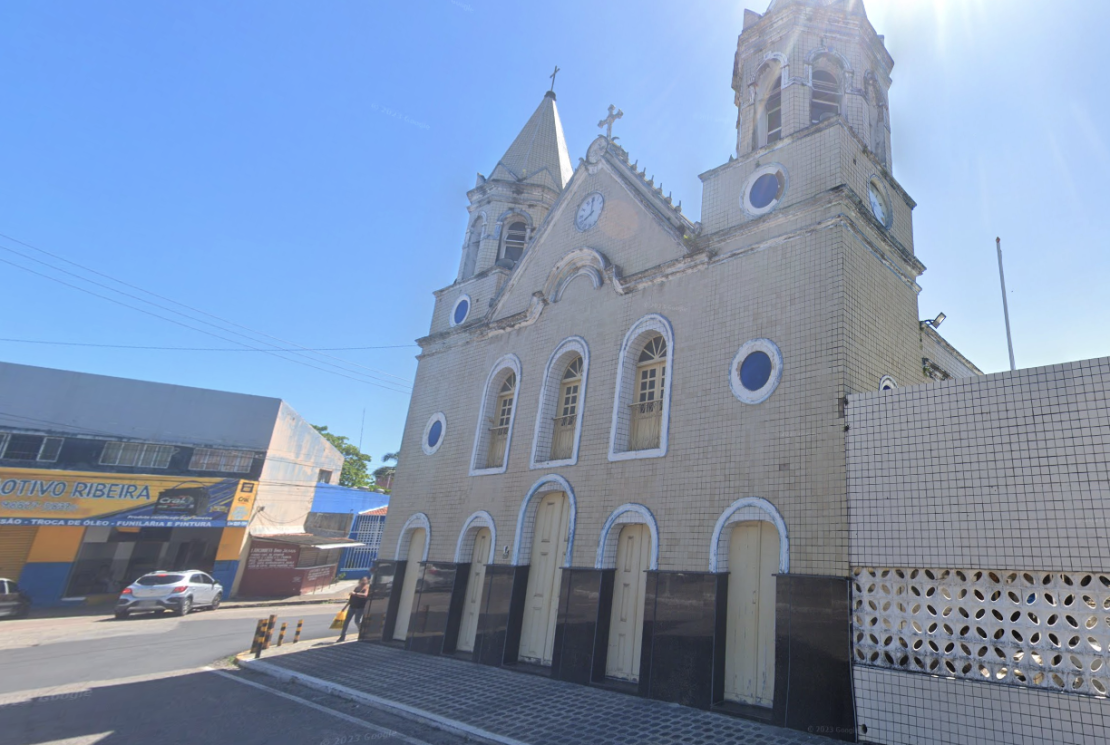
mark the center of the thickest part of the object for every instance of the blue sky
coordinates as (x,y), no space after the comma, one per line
(301,169)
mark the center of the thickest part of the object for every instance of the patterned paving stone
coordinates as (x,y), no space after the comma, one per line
(528,708)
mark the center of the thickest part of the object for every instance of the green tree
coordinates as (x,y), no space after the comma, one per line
(356,464)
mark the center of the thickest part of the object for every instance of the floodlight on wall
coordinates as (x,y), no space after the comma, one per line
(935,322)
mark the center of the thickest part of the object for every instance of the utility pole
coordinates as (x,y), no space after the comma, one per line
(1005,305)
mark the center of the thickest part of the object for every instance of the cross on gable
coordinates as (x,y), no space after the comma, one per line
(607,122)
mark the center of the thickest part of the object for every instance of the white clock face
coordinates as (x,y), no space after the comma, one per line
(589,211)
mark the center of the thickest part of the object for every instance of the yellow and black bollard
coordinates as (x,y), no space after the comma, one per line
(297,635)
(281,636)
(269,632)
(259,638)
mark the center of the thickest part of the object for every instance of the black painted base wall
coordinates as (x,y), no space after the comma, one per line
(582,629)
(381,607)
(683,645)
(813,674)
(497,641)
(680,622)
(431,607)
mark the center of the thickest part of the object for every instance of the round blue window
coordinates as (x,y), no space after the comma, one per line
(461,311)
(434,433)
(755,370)
(765,190)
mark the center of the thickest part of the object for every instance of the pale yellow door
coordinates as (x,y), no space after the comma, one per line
(626,626)
(472,607)
(549,545)
(408,586)
(753,560)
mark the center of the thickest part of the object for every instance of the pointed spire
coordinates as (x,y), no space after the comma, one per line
(539,153)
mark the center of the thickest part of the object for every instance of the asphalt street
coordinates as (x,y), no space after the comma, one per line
(92,679)
(43,652)
(206,706)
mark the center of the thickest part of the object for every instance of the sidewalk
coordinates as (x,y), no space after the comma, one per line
(504,706)
(336,592)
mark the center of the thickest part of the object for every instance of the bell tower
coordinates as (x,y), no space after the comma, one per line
(507,207)
(804,62)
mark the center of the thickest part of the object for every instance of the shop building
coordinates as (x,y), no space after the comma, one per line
(358,514)
(103,479)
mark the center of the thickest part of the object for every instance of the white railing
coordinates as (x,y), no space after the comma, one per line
(498,438)
(562,437)
(646,419)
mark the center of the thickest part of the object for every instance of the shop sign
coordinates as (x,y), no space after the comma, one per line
(272,557)
(30,496)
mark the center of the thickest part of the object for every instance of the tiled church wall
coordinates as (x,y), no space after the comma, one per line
(1004,471)
(978,524)
(787,450)
(897,708)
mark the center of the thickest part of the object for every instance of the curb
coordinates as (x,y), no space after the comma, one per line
(404,711)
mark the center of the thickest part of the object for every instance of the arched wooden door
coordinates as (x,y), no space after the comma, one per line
(408,585)
(626,625)
(549,545)
(472,606)
(753,560)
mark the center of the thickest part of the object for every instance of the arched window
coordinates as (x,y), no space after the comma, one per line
(642,402)
(825,102)
(559,414)
(647,409)
(773,112)
(470,253)
(494,430)
(499,429)
(566,420)
(516,235)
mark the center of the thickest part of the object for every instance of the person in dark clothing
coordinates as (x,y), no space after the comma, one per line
(356,606)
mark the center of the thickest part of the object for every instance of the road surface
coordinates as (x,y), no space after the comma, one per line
(167,680)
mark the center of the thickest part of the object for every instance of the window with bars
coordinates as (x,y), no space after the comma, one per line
(825,102)
(233,461)
(30,447)
(562,438)
(516,236)
(647,409)
(499,432)
(136,454)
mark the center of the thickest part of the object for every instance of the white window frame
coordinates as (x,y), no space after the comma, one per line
(225,460)
(5,438)
(745,197)
(550,391)
(490,391)
(626,373)
(769,348)
(469,309)
(143,448)
(431,449)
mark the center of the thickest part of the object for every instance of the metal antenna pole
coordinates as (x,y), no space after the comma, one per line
(1005,306)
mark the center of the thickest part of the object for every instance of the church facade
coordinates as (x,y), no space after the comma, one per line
(628,456)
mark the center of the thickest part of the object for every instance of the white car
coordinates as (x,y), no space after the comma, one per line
(176,591)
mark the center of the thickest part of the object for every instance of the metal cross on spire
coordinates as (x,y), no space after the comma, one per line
(552,76)
(607,122)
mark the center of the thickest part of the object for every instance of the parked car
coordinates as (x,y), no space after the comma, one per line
(14,603)
(179,592)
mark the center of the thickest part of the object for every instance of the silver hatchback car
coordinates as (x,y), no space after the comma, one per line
(179,592)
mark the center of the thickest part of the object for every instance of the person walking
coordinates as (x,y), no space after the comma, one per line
(356,606)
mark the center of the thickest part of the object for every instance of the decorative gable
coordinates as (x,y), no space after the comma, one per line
(611,222)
